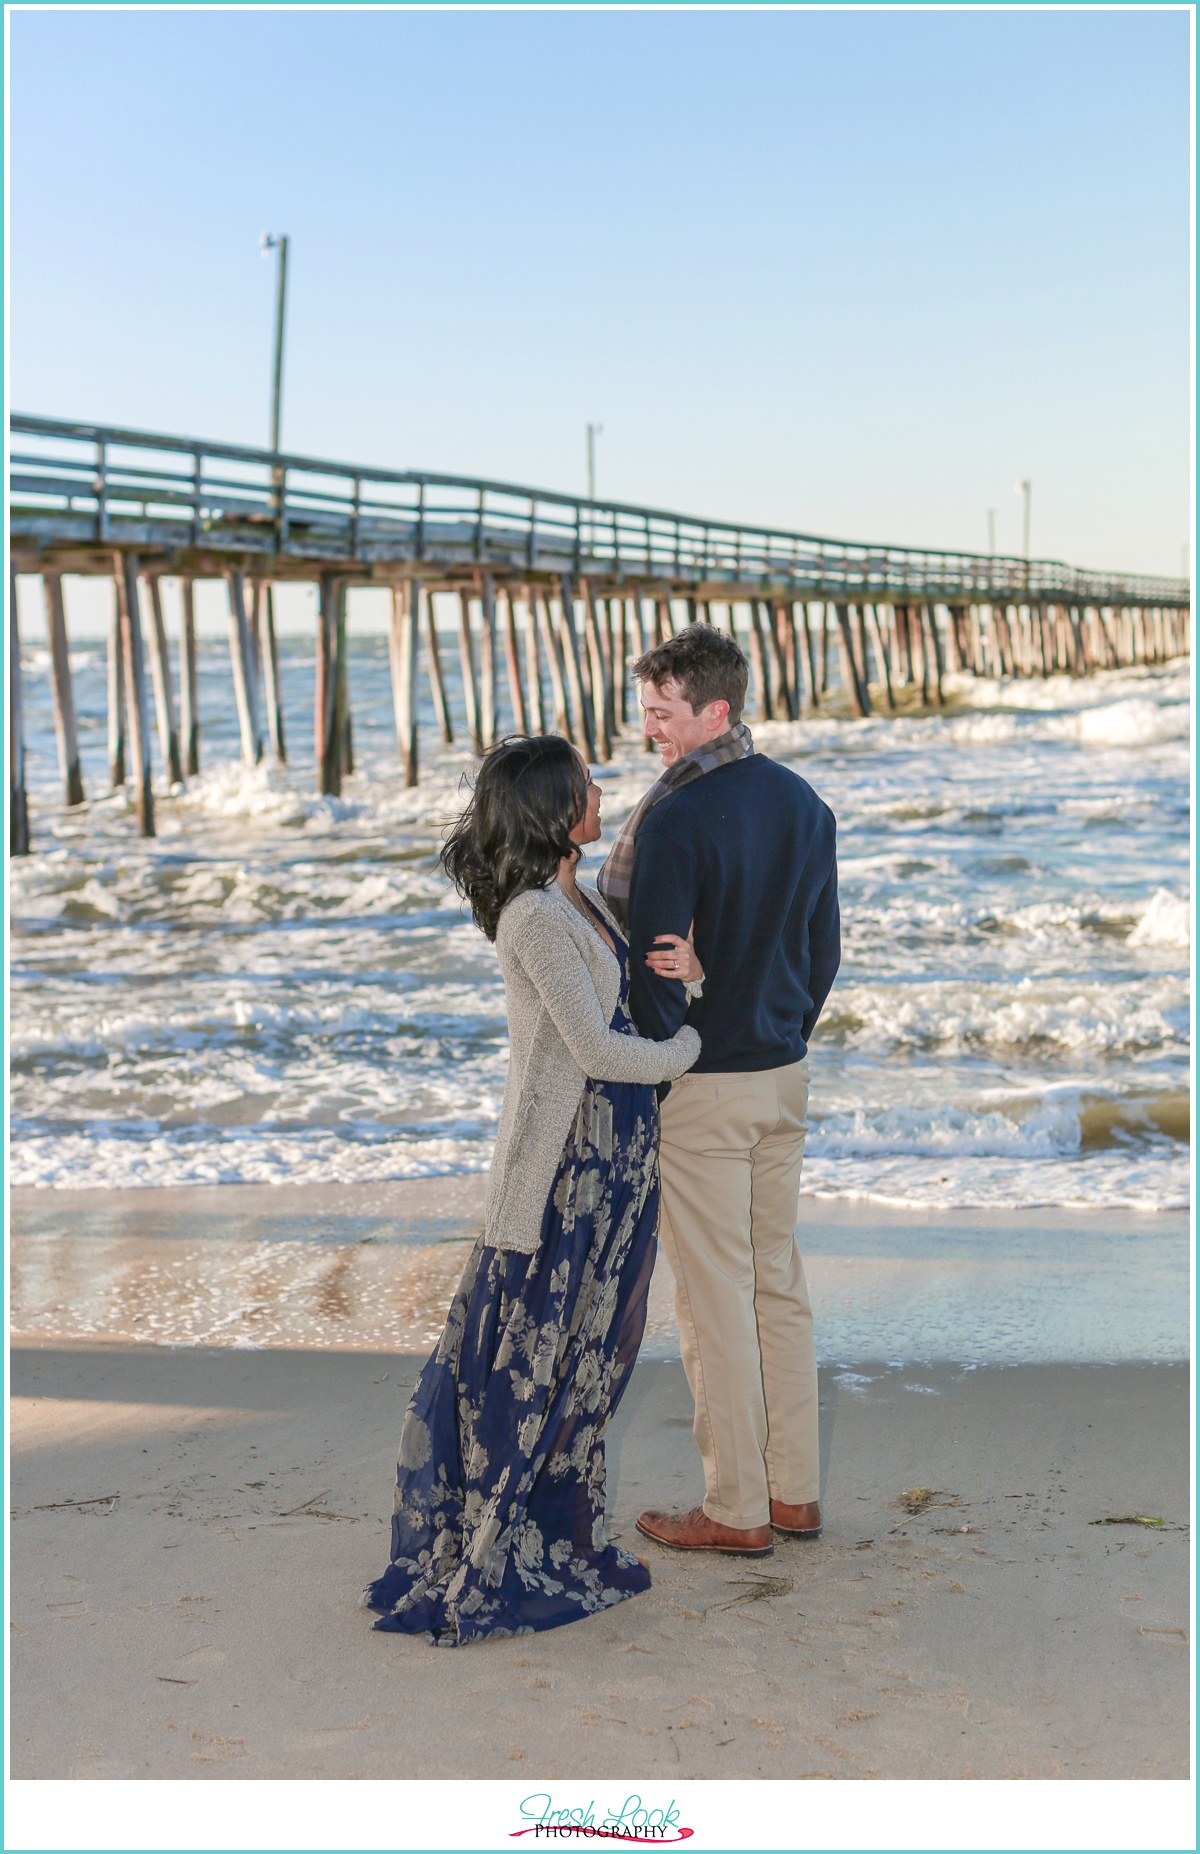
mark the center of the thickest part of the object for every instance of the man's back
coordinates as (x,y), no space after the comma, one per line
(747,853)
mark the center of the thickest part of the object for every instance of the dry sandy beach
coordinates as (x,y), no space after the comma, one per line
(194,1518)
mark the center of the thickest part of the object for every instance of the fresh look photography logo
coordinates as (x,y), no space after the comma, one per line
(634,1820)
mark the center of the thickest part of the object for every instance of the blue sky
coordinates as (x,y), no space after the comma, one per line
(851,272)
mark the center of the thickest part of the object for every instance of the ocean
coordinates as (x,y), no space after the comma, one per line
(281,988)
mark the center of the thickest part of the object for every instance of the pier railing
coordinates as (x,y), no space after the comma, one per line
(568,591)
(81,487)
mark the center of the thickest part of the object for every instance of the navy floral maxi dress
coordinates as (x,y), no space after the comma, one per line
(498,1521)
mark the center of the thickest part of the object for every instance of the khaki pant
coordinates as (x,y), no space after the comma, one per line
(730,1160)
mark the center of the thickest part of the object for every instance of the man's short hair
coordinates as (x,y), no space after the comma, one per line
(705,664)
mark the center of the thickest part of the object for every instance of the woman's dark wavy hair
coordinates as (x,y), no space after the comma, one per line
(530,793)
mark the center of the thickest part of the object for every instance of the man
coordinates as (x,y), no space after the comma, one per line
(740,852)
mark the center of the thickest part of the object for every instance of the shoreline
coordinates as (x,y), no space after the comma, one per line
(370,1267)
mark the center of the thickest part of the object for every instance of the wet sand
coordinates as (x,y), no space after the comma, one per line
(372,1267)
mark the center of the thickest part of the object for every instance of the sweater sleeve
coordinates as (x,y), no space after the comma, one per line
(558,971)
(662,899)
(824,948)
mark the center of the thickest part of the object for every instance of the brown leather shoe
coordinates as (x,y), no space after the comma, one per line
(799,1522)
(695,1531)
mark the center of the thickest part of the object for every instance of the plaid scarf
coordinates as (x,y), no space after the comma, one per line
(614,878)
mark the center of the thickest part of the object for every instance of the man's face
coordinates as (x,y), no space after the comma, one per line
(670,723)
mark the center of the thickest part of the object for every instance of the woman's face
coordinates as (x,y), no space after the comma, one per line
(588,828)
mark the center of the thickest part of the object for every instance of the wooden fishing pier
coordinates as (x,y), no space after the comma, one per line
(564,591)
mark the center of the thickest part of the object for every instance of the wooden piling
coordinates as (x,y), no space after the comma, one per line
(254,609)
(437,679)
(554,661)
(604,621)
(810,647)
(489,717)
(764,707)
(1041,625)
(65,730)
(1008,659)
(793,625)
(160,676)
(620,644)
(639,645)
(786,695)
(902,657)
(601,690)
(858,637)
(241,656)
(533,667)
(116,695)
(403,649)
(961,619)
(851,680)
(585,660)
(343,721)
(1124,634)
(326,743)
(18,797)
(826,629)
(1078,648)
(637,634)
(512,660)
(978,650)
(583,719)
(920,655)
(934,651)
(662,621)
(871,614)
(137,708)
(189,681)
(466,658)
(268,656)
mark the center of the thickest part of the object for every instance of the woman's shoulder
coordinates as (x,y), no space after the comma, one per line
(527,910)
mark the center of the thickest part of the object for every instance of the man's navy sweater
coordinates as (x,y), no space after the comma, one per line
(747,852)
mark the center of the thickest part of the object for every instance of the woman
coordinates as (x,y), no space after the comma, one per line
(498,1520)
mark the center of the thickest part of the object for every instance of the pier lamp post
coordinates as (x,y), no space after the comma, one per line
(271,241)
(1025,488)
(992,532)
(593,432)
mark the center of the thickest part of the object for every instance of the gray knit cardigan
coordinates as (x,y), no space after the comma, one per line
(562,984)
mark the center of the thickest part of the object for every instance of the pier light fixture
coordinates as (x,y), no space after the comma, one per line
(277,241)
(1024,488)
(593,432)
